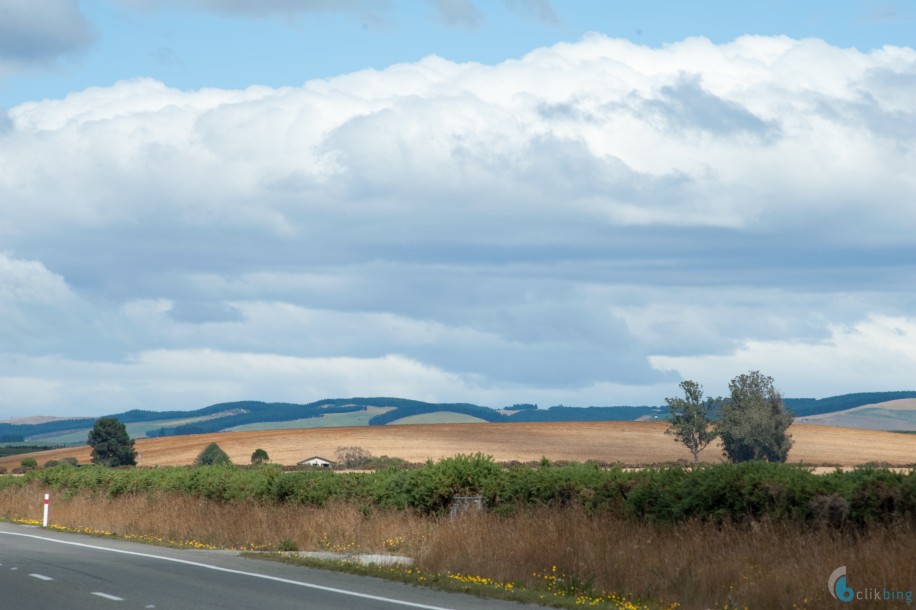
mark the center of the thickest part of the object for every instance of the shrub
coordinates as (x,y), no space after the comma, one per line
(724,493)
(212,455)
(432,487)
(259,456)
(29,462)
(287,545)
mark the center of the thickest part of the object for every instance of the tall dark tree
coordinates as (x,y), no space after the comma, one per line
(753,422)
(690,418)
(111,445)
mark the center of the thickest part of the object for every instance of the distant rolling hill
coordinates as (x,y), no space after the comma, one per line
(898,415)
(378,411)
(803,407)
(256,415)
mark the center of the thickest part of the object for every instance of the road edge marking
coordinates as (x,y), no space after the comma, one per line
(41,577)
(299,583)
(113,598)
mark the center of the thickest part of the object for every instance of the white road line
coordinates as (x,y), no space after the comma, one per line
(41,577)
(113,598)
(298,583)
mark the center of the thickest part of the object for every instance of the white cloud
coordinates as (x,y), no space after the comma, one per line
(177,379)
(875,354)
(37,307)
(174,379)
(536,228)
(30,395)
(757,133)
(29,283)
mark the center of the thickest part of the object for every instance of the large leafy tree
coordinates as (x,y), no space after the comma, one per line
(753,422)
(690,418)
(111,445)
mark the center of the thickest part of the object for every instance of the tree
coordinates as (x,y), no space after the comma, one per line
(691,418)
(111,446)
(754,421)
(352,457)
(212,455)
(259,456)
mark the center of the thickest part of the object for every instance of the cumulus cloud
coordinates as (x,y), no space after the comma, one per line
(644,137)
(6,124)
(874,354)
(191,378)
(37,306)
(38,31)
(592,217)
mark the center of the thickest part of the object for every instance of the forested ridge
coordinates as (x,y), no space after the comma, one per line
(222,416)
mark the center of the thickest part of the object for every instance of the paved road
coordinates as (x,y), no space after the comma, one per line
(47,570)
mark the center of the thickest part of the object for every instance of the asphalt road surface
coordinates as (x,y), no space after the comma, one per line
(48,570)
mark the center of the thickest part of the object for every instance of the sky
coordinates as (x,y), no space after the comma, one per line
(498,202)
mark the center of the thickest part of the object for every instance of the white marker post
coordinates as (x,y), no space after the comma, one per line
(44,521)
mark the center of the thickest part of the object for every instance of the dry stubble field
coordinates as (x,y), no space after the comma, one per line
(626,442)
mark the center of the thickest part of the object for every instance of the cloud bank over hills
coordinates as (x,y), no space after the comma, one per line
(587,224)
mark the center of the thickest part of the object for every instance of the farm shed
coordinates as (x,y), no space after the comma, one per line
(316,461)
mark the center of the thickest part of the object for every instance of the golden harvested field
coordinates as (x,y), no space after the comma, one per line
(629,442)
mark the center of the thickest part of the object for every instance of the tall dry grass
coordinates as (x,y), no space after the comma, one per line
(699,565)
(180,518)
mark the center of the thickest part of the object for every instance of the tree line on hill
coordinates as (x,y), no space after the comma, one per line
(246,412)
(276,412)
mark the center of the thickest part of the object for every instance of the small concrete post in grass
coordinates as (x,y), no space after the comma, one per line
(44,521)
(461,505)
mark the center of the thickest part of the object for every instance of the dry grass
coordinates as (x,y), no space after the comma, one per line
(699,565)
(626,442)
(182,518)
